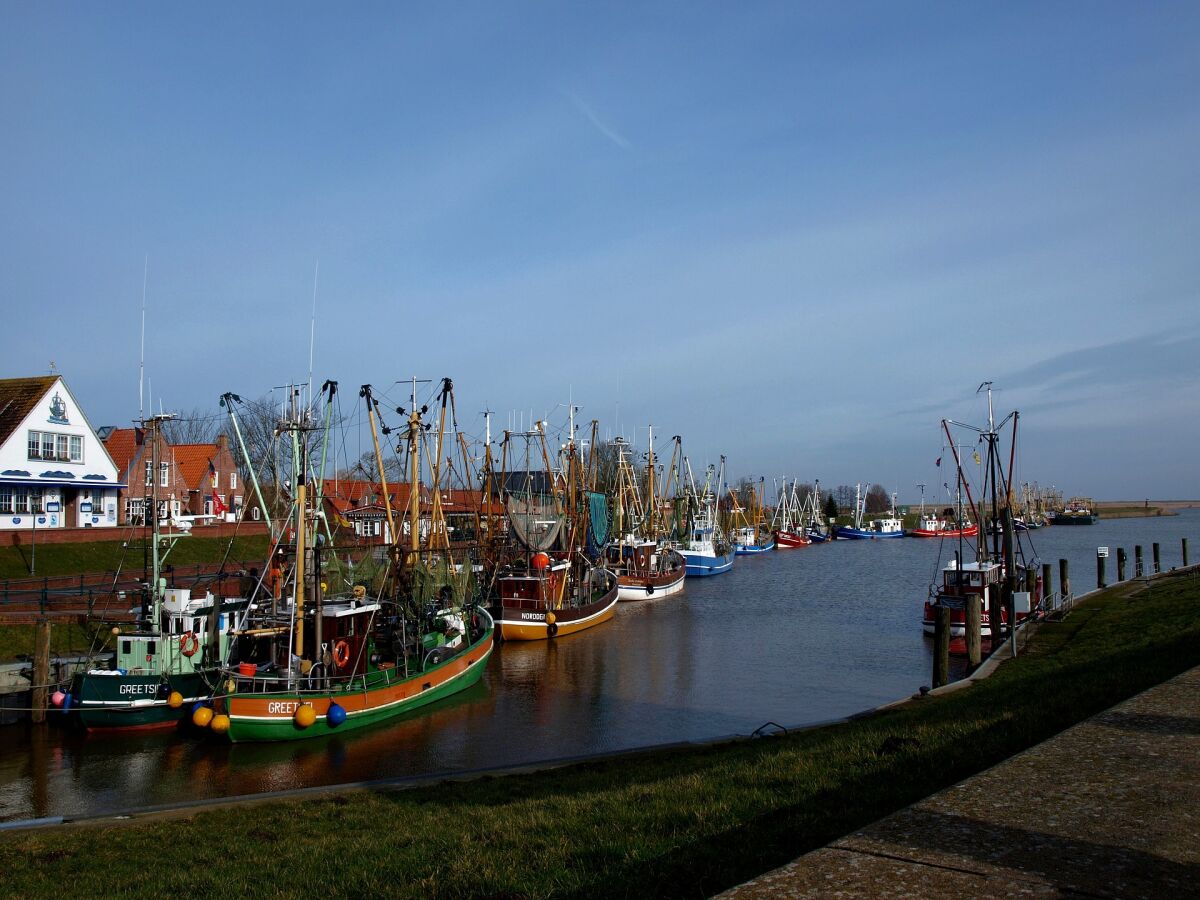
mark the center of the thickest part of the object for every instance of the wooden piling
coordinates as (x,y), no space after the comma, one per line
(1101,581)
(1156,558)
(941,647)
(974,628)
(1064,579)
(1010,579)
(1047,586)
(1185,559)
(41,669)
(1138,570)
(1120,564)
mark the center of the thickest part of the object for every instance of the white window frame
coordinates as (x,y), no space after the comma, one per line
(149,473)
(76,444)
(164,474)
(33,446)
(233,481)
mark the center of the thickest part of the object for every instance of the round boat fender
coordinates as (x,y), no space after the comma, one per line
(341,654)
(189,643)
(649,588)
(552,629)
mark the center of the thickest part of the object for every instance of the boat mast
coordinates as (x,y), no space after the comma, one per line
(651,499)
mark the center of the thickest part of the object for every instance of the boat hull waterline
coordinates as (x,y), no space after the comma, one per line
(376,697)
(518,624)
(700,565)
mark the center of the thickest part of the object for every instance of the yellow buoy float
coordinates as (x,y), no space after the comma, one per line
(550,618)
(305,715)
(202,716)
(220,723)
(175,700)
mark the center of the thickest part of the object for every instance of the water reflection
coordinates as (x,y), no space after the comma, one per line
(792,637)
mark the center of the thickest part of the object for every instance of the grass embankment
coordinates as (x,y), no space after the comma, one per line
(684,823)
(108,556)
(66,639)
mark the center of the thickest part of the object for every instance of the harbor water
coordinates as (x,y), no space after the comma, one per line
(793,637)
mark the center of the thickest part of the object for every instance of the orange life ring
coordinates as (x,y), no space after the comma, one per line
(188,644)
(341,654)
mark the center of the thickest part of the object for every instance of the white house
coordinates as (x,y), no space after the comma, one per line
(54,470)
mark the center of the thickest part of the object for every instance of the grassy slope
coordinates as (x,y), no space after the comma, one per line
(107,556)
(66,638)
(684,823)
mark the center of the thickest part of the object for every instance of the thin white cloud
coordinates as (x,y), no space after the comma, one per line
(591,116)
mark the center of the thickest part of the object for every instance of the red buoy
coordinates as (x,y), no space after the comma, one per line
(541,561)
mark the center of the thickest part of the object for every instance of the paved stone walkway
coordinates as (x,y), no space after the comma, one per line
(1108,808)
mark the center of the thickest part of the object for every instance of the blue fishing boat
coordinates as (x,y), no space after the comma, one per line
(704,546)
(889,527)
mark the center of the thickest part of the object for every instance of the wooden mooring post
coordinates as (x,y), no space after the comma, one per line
(1138,571)
(1047,586)
(1185,559)
(1101,580)
(974,631)
(1120,564)
(41,668)
(941,646)
(1064,578)
(1157,560)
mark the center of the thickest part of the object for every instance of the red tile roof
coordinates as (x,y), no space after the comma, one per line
(122,445)
(193,461)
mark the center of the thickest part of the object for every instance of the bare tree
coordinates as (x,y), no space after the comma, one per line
(845,497)
(194,426)
(877,499)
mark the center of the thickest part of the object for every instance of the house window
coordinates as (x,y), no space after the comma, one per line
(377,523)
(6,499)
(35,445)
(208,506)
(164,474)
(133,511)
(221,498)
(149,473)
(27,500)
(63,453)
(47,445)
(215,481)
(255,513)
(76,448)
(233,481)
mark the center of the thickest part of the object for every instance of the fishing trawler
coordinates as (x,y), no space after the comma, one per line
(172,658)
(645,566)
(310,660)
(703,544)
(551,586)
(888,527)
(752,536)
(986,574)
(786,525)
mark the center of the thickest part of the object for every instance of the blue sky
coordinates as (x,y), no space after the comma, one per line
(795,234)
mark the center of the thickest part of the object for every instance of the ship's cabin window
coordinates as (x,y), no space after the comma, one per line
(126,647)
(151,647)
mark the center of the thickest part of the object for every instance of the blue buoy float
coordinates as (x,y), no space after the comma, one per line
(336,714)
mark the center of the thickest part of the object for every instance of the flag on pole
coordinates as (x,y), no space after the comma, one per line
(219,506)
